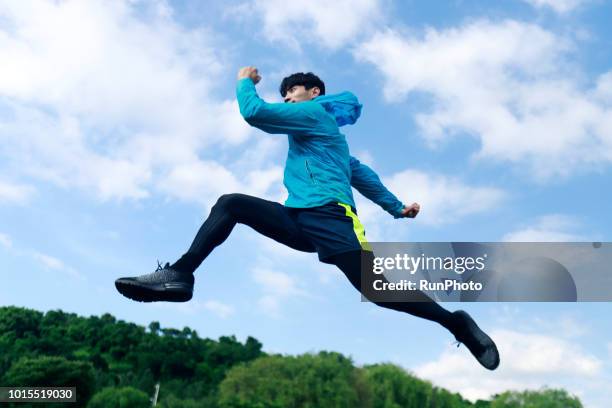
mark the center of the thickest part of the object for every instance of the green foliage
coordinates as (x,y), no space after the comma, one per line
(48,371)
(125,397)
(172,401)
(19,333)
(119,354)
(124,361)
(322,380)
(392,387)
(545,398)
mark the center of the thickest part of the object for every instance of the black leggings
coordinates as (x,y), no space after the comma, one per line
(270,219)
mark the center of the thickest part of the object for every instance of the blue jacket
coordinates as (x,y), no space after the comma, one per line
(319,168)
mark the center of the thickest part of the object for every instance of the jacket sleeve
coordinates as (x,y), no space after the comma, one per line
(287,118)
(367,182)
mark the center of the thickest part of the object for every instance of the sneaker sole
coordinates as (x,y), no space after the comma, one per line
(164,292)
(484,339)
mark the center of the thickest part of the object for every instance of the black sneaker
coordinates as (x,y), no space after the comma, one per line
(165,284)
(480,345)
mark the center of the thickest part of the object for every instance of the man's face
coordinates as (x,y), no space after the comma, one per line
(298,93)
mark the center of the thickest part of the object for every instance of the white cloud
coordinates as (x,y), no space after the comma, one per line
(365,157)
(559,6)
(196,307)
(603,90)
(205,181)
(523,100)
(277,287)
(98,58)
(528,361)
(46,261)
(270,305)
(6,241)
(331,24)
(109,96)
(56,150)
(49,261)
(569,326)
(14,193)
(328,274)
(199,179)
(53,263)
(219,309)
(277,283)
(443,199)
(548,228)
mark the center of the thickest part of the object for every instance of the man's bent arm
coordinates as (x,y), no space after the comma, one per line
(367,182)
(288,118)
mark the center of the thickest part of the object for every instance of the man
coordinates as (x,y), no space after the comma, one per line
(319,214)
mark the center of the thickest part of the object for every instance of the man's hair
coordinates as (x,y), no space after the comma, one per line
(309,80)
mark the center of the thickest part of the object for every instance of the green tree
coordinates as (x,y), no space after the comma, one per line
(57,348)
(322,380)
(172,401)
(393,387)
(19,334)
(544,398)
(125,397)
(154,327)
(49,371)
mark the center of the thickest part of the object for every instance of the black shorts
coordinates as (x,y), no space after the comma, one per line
(329,229)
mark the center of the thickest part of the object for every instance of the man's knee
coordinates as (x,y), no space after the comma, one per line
(228,201)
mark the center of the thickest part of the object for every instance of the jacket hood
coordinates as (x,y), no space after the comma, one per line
(343,106)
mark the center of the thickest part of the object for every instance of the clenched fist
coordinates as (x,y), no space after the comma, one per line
(411,211)
(249,72)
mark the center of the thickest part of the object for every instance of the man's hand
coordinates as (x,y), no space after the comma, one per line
(411,211)
(249,72)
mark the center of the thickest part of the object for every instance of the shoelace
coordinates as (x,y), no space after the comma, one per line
(160,267)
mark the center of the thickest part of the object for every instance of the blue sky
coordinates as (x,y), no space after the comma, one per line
(119,129)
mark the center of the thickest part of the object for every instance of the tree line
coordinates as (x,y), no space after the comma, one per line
(118,364)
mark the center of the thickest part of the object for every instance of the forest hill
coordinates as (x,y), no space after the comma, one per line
(109,360)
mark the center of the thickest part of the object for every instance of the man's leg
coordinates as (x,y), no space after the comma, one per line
(174,283)
(266,217)
(459,323)
(421,306)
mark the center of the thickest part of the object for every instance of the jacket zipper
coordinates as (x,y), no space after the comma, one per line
(310,172)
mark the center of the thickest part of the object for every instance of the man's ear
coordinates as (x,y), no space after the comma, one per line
(316,91)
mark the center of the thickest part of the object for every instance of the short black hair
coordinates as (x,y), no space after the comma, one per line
(309,80)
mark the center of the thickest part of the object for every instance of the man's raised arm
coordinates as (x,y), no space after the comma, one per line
(367,182)
(287,118)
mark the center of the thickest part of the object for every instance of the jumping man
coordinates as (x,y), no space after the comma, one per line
(319,214)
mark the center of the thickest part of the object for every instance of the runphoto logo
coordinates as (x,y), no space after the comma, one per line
(412,264)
